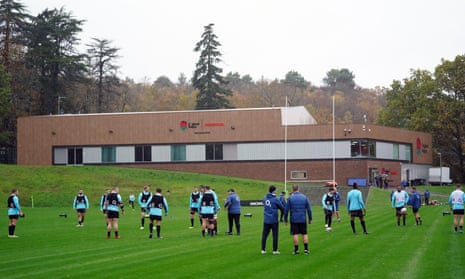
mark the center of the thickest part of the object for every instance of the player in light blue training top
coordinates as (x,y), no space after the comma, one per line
(456,201)
(143,200)
(14,212)
(113,204)
(399,201)
(208,208)
(81,204)
(356,207)
(156,206)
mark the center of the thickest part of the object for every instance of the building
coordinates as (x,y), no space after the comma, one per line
(275,144)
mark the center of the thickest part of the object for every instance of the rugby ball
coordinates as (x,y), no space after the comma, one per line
(329,229)
(403,211)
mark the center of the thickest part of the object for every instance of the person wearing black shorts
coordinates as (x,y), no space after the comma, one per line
(356,207)
(113,204)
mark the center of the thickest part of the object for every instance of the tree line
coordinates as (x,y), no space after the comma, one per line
(42,72)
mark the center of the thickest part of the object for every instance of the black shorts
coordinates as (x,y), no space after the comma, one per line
(13,216)
(194,210)
(415,210)
(155,217)
(299,228)
(143,210)
(458,212)
(112,214)
(81,210)
(208,216)
(356,213)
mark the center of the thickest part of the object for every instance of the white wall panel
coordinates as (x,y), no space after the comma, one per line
(161,153)
(125,154)
(92,155)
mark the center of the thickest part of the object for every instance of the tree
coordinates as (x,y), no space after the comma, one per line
(449,125)
(12,23)
(103,70)
(163,81)
(296,84)
(342,79)
(207,79)
(6,134)
(51,38)
(409,104)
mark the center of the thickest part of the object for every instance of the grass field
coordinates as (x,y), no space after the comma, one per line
(51,246)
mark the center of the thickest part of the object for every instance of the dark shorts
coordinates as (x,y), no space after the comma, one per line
(112,214)
(398,209)
(458,212)
(356,213)
(143,210)
(81,210)
(415,210)
(155,217)
(13,216)
(208,216)
(194,210)
(299,228)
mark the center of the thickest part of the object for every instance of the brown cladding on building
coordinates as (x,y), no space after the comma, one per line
(250,143)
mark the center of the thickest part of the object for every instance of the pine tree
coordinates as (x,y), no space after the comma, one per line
(207,79)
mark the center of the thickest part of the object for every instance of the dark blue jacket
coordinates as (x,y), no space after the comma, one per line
(299,207)
(415,200)
(271,204)
(233,204)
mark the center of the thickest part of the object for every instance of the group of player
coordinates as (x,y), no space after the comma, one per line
(204,203)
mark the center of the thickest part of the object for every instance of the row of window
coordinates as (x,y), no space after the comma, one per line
(312,150)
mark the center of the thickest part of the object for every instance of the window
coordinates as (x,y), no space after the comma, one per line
(363,148)
(108,154)
(298,174)
(213,151)
(143,153)
(178,152)
(75,156)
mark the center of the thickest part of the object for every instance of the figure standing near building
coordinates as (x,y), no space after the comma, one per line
(131,200)
(282,199)
(143,200)
(426,194)
(194,206)
(113,204)
(356,208)
(233,205)
(103,207)
(157,204)
(328,203)
(14,212)
(81,204)
(337,199)
(456,200)
(399,201)
(415,202)
(208,206)
(271,205)
(298,207)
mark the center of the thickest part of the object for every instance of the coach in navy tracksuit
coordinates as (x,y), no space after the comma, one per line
(271,204)
(299,207)
(233,204)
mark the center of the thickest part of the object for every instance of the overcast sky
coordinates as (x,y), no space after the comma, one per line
(378,40)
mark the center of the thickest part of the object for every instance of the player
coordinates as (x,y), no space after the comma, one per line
(328,202)
(456,200)
(415,202)
(143,200)
(113,204)
(14,212)
(194,206)
(156,205)
(208,206)
(81,204)
(399,201)
(356,207)
(103,207)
